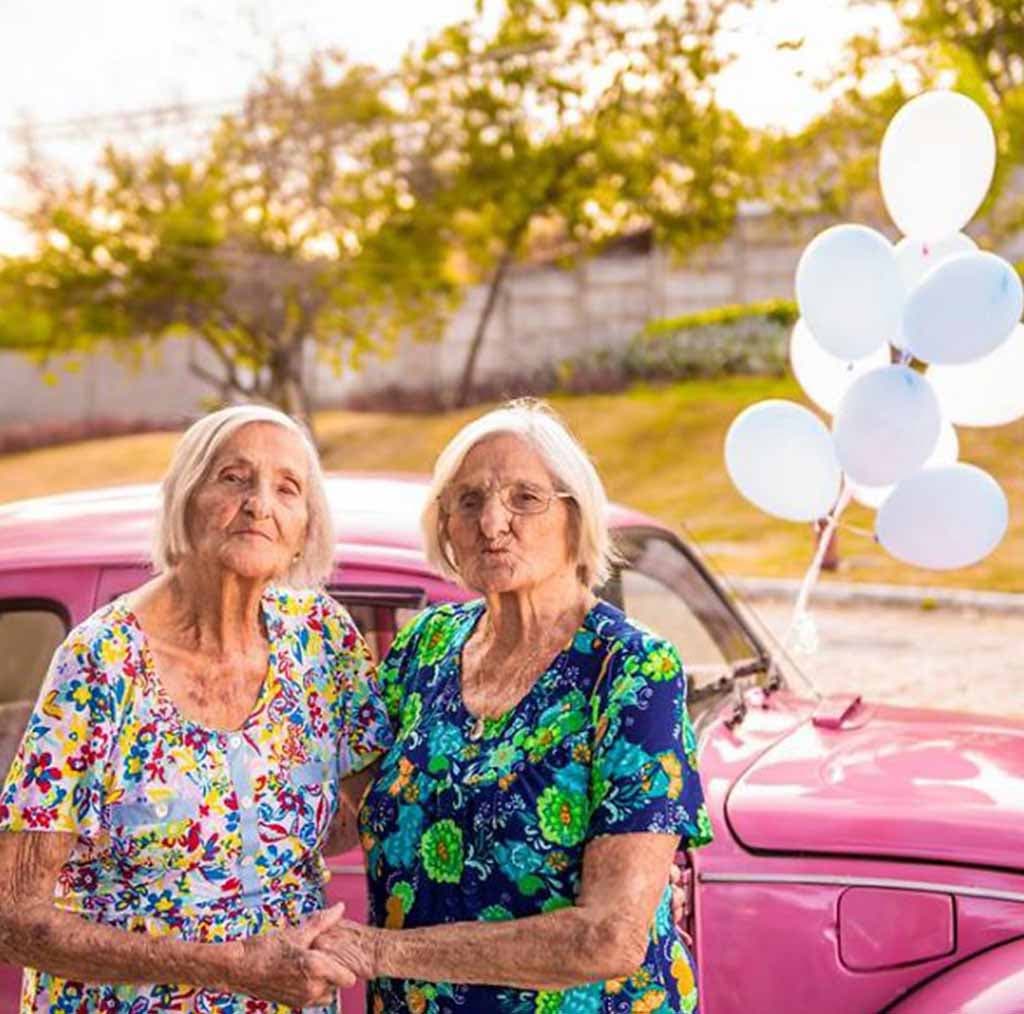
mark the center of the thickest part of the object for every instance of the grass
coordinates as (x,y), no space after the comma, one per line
(659,448)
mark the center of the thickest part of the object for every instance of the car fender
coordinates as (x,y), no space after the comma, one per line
(991,983)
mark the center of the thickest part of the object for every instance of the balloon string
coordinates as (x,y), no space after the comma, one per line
(814,570)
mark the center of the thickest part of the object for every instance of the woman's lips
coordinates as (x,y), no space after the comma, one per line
(253,531)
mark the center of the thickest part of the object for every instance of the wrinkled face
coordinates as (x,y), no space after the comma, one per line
(249,513)
(496,549)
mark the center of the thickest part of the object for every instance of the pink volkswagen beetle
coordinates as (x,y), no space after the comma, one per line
(866,858)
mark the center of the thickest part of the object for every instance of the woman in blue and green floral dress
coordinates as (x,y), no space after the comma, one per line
(520,831)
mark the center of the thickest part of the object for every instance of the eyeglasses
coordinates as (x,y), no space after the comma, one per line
(516,497)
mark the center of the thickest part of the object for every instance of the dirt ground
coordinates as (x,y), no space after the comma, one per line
(945,658)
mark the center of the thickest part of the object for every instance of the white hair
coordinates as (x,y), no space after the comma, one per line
(189,467)
(572,471)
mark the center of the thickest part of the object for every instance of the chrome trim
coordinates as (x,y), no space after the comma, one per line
(832,881)
(344,868)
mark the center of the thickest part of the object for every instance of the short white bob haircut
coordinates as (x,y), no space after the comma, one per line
(189,467)
(571,469)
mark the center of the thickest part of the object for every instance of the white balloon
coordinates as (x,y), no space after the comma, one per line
(946,452)
(781,458)
(887,426)
(964,308)
(917,257)
(943,518)
(936,163)
(849,290)
(823,376)
(987,392)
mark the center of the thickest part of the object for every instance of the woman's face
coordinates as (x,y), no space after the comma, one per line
(495,549)
(249,514)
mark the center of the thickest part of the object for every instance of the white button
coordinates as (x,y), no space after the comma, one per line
(161,809)
(248,860)
(235,742)
(247,801)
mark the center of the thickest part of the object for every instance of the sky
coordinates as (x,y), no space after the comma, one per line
(62,60)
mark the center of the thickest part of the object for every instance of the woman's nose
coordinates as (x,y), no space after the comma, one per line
(494,516)
(257,501)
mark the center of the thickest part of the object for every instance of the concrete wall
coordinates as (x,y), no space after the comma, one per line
(545,315)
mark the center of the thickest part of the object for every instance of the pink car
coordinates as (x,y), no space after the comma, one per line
(866,858)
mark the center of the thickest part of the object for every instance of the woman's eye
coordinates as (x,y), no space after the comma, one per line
(231,477)
(525,497)
(289,490)
(469,500)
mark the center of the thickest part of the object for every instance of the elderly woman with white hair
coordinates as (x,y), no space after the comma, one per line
(519,833)
(162,824)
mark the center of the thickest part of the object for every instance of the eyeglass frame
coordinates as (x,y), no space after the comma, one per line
(550,496)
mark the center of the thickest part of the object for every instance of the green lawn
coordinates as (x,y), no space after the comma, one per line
(658,449)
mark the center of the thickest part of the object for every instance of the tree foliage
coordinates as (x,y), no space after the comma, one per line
(296,226)
(974,46)
(569,122)
(346,207)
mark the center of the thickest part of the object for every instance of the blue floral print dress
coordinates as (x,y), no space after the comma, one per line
(183,830)
(457,828)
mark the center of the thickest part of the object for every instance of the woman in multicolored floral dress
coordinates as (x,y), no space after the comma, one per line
(161,826)
(521,829)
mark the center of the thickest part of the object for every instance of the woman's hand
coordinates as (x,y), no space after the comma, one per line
(351,945)
(283,966)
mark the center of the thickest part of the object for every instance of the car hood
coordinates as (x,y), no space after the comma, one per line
(888,782)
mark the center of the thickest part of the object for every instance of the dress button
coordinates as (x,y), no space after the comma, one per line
(248,860)
(247,802)
(161,809)
(235,742)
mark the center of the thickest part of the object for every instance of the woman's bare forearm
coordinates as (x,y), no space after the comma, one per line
(603,936)
(556,950)
(34,932)
(40,935)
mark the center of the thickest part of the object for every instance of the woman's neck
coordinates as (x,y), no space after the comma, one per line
(215,614)
(535,615)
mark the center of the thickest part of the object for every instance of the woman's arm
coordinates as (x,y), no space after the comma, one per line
(279,966)
(603,936)
(344,832)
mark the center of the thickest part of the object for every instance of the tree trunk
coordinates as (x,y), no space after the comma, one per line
(285,387)
(466,383)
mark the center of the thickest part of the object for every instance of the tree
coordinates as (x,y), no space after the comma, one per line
(974,46)
(295,227)
(573,121)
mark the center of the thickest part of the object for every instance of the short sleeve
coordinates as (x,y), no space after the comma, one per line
(364,730)
(644,769)
(56,780)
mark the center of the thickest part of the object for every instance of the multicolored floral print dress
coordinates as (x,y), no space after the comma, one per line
(183,830)
(457,828)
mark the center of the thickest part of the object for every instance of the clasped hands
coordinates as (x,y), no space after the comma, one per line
(303,965)
(308,963)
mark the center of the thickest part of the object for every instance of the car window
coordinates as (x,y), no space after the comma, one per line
(662,588)
(29,635)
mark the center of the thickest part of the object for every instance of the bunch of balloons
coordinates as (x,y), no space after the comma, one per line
(898,343)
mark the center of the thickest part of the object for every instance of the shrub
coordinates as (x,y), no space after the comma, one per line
(751,339)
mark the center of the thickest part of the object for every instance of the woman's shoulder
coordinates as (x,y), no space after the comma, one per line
(430,633)
(634,645)
(102,651)
(620,631)
(106,635)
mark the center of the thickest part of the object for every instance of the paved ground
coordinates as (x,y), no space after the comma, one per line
(946,658)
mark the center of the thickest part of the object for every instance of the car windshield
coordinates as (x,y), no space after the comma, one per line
(662,587)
